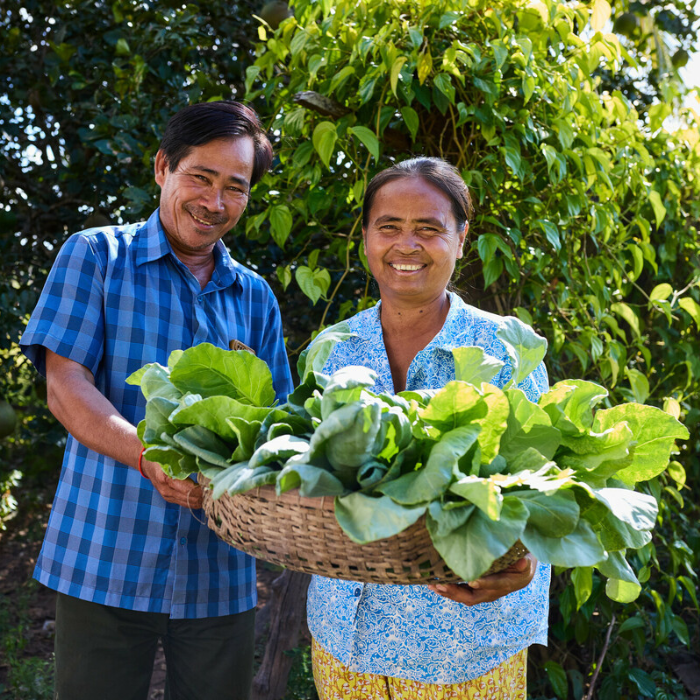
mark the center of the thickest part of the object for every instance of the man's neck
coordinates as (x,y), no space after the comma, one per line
(200,263)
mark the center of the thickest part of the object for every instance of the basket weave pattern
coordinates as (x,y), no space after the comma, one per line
(302,534)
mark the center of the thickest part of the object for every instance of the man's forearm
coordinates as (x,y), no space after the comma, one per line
(86,413)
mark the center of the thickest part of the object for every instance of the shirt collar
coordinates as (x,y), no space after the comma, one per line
(152,244)
(453,327)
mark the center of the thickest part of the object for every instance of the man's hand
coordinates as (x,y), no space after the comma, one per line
(490,588)
(94,421)
(183,492)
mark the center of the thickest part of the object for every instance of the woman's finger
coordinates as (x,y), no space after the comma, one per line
(490,588)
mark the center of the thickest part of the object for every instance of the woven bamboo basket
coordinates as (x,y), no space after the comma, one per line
(302,534)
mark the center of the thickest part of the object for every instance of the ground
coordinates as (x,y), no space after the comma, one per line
(27,609)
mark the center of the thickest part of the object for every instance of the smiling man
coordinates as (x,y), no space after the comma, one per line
(127,548)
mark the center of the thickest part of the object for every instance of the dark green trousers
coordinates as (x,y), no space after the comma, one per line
(106,653)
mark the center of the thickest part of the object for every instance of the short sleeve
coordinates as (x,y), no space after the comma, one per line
(274,352)
(68,318)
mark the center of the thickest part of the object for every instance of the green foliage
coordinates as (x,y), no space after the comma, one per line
(85,91)
(470,455)
(27,678)
(587,211)
(300,685)
(586,221)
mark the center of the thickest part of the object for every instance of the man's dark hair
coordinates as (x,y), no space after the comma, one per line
(437,172)
(201,123)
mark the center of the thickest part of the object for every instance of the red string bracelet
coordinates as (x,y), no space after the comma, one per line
(141,463)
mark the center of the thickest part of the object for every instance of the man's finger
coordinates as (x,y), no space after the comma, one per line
(182,492)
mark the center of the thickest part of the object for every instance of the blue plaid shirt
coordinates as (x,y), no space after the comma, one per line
(116,299)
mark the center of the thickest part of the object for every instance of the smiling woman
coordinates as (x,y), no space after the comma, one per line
(424,641)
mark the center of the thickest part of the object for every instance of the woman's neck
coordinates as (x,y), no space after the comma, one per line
(407,330)
(414,319)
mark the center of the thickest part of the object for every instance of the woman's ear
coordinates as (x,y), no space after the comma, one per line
(462,240)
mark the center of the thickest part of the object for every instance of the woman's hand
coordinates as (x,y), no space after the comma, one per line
(490,588)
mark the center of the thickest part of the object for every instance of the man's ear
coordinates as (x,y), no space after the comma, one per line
(462,240)
(160,168)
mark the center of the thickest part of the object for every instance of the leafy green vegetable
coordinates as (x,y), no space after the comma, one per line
(487,466)
(314,357)
(474,366)
(211,371)
(366,518)
(525,348)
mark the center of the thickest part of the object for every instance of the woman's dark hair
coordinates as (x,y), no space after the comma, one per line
(437,172)
(201,123)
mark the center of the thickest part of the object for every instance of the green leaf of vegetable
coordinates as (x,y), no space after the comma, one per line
(474,366)
(525,348)
(470,550)
(579,548)
(211,371)
(366,519)
(429,482)
(314,357)
(655,432)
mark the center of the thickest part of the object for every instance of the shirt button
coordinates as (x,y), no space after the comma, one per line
(183,540)
(358,592)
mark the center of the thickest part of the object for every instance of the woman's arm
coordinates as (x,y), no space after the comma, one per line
(94,421)
(490,588)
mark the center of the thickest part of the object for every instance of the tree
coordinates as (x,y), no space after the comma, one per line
(587,203)
(85,91)
(87,88)
(586,225)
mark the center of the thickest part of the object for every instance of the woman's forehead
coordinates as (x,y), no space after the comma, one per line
(410,197)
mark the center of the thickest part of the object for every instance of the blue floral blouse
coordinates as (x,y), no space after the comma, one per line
(409,631)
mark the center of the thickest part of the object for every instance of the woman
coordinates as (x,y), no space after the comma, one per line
(438,641)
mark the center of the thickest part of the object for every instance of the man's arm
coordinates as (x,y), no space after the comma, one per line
(94,421)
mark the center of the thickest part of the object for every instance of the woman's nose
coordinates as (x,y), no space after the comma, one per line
(408,241)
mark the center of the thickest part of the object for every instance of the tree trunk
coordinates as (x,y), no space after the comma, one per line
(287,615)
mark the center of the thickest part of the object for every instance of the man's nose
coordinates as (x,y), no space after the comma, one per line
(214,199)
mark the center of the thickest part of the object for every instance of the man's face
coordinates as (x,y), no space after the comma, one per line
(204,197)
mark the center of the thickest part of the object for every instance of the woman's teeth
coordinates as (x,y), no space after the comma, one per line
(407,268)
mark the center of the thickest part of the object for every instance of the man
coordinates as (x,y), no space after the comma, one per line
(128,552)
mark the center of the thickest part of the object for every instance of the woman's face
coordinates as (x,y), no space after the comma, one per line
(412,240)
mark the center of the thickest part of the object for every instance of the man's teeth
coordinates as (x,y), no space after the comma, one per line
(202,221)
(408,268)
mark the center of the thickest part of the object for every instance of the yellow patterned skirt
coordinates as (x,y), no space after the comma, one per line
(334,681)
